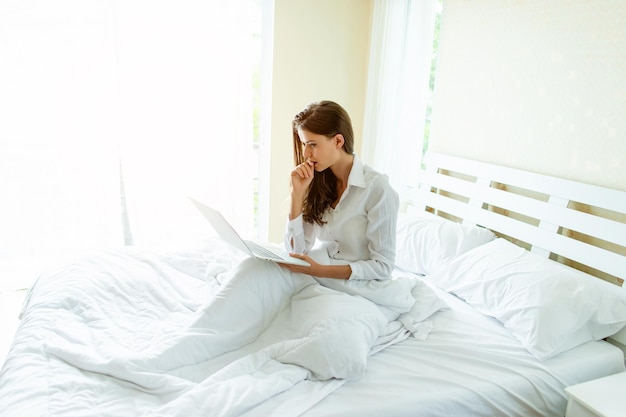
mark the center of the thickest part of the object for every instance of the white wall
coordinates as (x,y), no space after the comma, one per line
(320,52)
(538,85)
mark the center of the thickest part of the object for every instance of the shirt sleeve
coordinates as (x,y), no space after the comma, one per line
(299,236)
(382,214)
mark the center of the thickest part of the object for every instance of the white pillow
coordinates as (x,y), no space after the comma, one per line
(425,242)
(547,306)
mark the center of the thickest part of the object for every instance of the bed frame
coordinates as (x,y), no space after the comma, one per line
(580,225)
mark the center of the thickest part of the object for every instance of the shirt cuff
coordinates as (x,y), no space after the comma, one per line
(357,271)
(296,226)
(294,236)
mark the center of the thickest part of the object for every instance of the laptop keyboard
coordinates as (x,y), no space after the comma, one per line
(260,250)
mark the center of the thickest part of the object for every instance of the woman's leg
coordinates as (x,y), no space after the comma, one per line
(247,302)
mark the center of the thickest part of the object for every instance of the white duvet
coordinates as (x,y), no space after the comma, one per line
(131,332)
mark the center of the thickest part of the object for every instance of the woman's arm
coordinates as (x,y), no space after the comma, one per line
(382,214)
(318,270)
(300,180)
(298,236)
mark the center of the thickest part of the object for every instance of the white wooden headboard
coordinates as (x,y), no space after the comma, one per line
(580,225)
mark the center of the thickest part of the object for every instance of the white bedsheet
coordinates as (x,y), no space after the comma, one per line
(468,366)
(110,335)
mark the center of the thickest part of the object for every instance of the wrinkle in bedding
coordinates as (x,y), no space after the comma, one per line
(468,366)
(134,330)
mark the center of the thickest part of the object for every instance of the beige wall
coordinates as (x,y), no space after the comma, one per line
(320,52)
(538,85)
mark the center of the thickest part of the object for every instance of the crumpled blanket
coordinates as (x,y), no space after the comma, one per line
(207,333)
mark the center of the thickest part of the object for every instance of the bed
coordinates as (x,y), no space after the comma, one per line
(514,280)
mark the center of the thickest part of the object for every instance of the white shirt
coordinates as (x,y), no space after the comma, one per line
(360,231)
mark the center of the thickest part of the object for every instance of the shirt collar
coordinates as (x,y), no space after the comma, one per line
(357,176)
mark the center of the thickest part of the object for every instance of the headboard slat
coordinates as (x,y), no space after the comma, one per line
(581,252)
(542,211)
(606,198)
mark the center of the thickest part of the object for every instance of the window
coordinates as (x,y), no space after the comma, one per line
(398,96)
(113,112)
(431,79)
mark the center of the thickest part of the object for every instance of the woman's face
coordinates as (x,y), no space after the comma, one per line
(319,149)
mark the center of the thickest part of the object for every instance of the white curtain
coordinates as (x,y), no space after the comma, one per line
(159,88)
(185,119)
(397,92)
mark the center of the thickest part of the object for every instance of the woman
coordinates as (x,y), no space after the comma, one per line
(351,210)
(336,201)
(348,207)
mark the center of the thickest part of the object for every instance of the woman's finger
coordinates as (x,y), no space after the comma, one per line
(303,170)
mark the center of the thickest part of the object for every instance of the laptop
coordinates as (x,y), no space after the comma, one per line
(228,233)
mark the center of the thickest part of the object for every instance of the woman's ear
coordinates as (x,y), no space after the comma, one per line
(339,140)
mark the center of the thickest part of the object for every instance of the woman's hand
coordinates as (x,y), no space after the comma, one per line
(319,270)
(301,177)
(308,270)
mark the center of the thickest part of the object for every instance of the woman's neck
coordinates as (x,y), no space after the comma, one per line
(342,169)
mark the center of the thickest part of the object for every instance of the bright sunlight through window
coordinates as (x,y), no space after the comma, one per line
(112,113)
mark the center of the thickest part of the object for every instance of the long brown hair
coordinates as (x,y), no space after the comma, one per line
(329,119)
